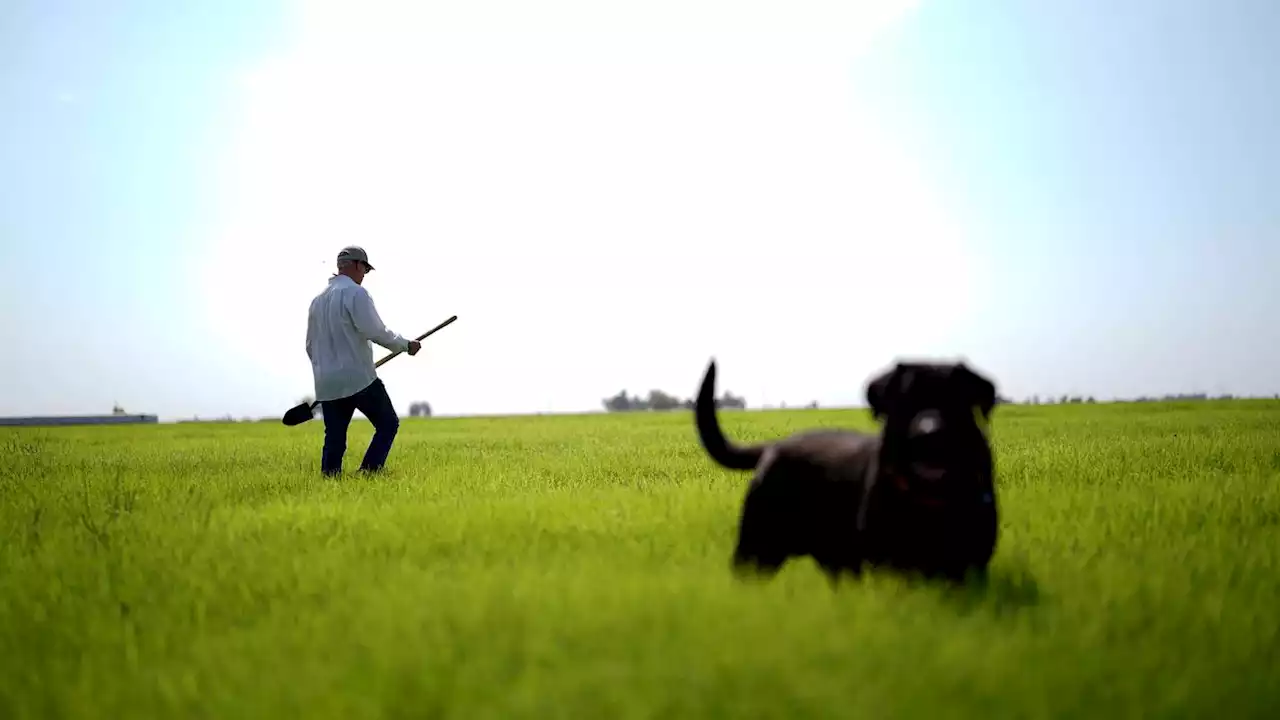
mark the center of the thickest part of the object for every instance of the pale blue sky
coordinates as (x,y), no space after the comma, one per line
(1092,188)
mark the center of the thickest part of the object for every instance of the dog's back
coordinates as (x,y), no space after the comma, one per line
(804,495)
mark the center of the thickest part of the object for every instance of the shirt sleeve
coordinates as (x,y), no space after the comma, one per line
(370,325)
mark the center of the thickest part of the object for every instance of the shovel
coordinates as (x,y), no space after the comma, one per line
(303,412)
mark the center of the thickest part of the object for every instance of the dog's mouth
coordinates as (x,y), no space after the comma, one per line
(928,472)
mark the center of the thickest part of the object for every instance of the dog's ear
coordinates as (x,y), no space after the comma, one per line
(887,389)
(979,392)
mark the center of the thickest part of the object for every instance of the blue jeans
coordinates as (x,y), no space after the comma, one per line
(374,404)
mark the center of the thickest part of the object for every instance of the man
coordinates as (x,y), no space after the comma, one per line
(341,323)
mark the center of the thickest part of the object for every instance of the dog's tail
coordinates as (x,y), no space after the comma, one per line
(734,457)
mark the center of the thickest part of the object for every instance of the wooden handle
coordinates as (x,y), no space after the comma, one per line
(420,338)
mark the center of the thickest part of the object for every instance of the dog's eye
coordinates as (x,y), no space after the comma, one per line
(926,423)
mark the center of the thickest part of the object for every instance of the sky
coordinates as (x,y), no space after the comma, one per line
(1074,197)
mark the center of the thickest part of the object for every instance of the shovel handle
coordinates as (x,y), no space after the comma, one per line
(420,338)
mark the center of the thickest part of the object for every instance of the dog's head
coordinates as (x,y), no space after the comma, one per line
(934,420)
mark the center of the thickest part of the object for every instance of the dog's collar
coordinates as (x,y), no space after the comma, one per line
(904,486)
(916,495)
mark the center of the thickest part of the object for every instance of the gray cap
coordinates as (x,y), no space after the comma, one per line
(354,252)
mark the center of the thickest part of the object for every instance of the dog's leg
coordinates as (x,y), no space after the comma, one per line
(836,568)
(762,547)
(833,573)
(756,555)
(764,566)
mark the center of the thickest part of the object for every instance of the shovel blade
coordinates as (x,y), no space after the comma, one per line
(298,415)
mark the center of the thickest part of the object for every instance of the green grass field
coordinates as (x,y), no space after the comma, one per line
(577,567)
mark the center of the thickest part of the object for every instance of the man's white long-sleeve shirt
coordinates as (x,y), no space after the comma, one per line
(340,326)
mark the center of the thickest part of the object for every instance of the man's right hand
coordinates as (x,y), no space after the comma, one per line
(414,347)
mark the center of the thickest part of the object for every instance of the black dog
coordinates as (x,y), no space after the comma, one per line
(919,497)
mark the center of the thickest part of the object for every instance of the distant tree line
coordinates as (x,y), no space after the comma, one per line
(811,405)
(1171,397)
(658,400)
(1061,400)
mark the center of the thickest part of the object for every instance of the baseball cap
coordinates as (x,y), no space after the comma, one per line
(354,252)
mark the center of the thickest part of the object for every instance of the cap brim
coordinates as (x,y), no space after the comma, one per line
(356,259)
